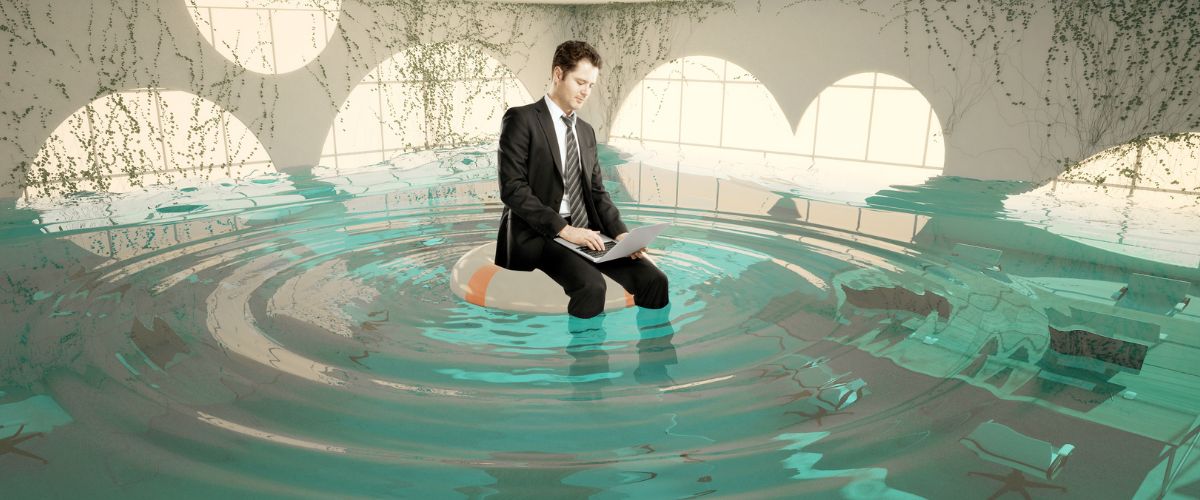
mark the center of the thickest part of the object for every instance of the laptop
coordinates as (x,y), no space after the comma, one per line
(637,239)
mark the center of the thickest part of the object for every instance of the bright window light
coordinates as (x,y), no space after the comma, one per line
(423,98)
(707,115)
(267,36)
(127,140)
(1141,200)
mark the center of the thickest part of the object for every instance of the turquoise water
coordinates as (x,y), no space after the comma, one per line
(296,336)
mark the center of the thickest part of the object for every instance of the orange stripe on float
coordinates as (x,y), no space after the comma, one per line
(628,300)
(477,287)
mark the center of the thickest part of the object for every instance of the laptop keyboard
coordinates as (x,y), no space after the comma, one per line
(599,253)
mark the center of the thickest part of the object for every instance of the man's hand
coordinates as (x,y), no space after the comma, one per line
(635,255)
(582,236)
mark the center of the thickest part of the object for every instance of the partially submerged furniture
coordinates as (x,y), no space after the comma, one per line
(1094,340)
(1087,348)
(999,444)
(976,256)
(1154,294)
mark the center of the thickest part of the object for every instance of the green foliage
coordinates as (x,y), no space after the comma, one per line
(1116,73)
(635,38)
(443,49)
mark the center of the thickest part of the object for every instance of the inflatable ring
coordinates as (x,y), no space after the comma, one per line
(477,279)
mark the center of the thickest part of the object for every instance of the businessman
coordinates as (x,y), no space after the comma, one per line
(551,186)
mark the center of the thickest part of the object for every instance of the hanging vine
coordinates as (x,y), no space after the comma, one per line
(1117,76)
(438,55)
(635,38)
(442,53)
(1128,72)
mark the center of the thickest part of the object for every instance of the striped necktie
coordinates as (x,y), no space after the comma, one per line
(579,216)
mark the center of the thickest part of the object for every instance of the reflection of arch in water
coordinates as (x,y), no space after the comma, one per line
(862,133)
(424,97)
(135,138)
(266,36)
(1140,199)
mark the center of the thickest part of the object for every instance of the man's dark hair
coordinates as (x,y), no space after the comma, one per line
(568,54)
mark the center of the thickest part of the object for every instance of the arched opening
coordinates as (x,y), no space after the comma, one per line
(874,118)
(1140,199)
(136,138)
(266,36)
(154,144)
(440,95)
(702,105)
(710,116)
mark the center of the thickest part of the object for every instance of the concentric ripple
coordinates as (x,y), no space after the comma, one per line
(315,349)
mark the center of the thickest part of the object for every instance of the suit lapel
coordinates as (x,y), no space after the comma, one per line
(551,138)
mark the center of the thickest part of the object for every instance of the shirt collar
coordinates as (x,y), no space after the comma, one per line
(555,111)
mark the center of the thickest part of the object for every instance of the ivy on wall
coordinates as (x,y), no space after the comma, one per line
(1129,72)
(117,53)
(635,38)
(445,47)
(1118,76)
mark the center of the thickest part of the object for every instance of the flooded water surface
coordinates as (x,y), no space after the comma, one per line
(296,336)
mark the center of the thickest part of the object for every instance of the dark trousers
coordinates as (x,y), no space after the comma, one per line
(584,283)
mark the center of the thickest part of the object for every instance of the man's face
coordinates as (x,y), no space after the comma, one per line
(572,89)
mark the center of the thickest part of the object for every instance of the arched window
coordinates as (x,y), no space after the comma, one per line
(1140,199)
(425,97)
(861,134)
(266,36)
(874,118)
(135,138)
(705,104)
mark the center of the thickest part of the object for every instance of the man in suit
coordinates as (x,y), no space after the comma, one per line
(551,185)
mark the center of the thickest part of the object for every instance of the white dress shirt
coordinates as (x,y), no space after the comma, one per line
(560,131)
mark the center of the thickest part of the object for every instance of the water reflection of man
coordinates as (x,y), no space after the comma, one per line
(551,186)
(589,373)
(655,349)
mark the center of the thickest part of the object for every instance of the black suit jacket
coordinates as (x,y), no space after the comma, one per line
(531,186)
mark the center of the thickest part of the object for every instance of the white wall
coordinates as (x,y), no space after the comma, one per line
(795,52)
(90,47)
(800,50)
